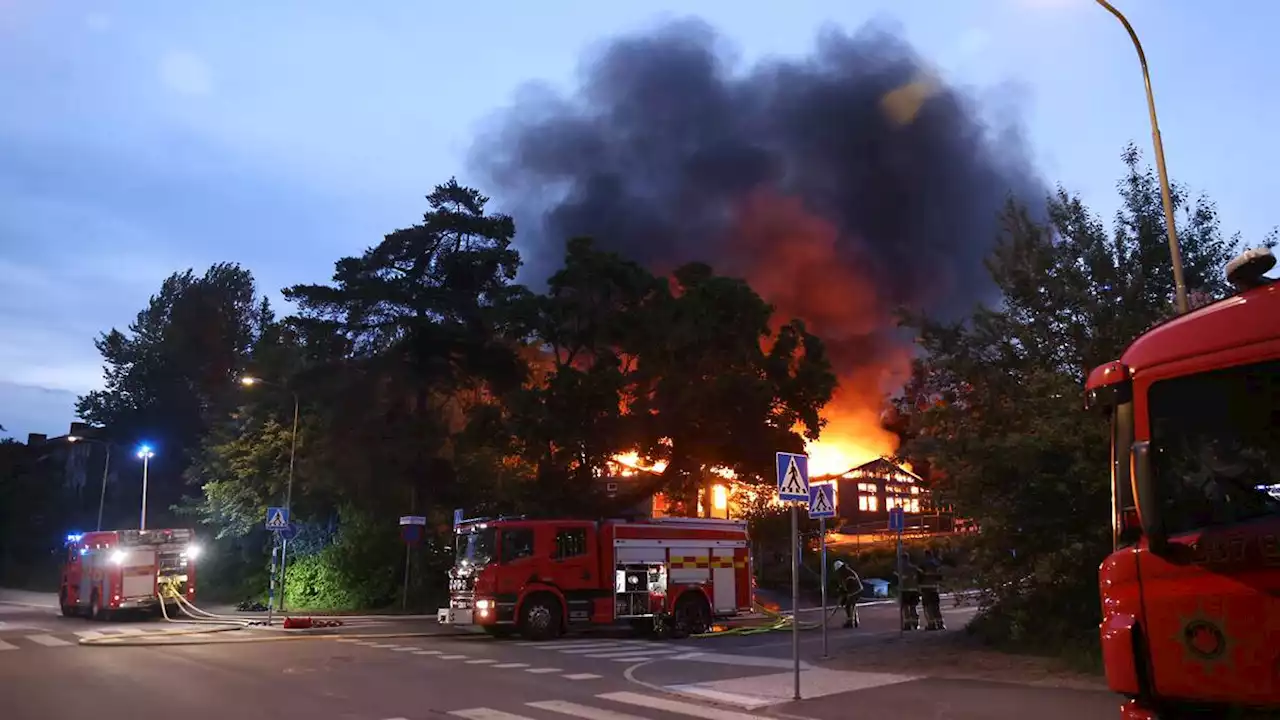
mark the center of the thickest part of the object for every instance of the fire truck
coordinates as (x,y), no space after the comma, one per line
(542,578)
(1191,593)
(110,571)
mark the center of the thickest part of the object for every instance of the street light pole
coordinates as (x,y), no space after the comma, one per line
(288,498)
(106,468)
(102,496)
(250,381)
(146,454)
(1175,253)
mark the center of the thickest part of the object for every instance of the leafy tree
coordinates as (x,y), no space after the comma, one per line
(173,372)
(688,373)
(993,404)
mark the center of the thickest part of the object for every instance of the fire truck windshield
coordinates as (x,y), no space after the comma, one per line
(1216,437)
(476,547)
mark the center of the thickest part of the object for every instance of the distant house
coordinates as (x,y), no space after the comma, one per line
(865,494)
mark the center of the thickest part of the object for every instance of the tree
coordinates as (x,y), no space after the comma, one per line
(687,372)
(993,404)
(173,372)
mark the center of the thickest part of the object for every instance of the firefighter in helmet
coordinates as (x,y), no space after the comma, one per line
(849,587)
(908,592)
(930,593)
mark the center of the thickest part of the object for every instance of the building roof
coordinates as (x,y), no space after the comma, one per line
(880,467)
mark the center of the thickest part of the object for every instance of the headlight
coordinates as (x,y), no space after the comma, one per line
(118,557)
(484,604)
(193,552)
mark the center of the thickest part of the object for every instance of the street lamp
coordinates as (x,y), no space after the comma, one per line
(249,381)
(1175,253)
(106,467)
(146,453)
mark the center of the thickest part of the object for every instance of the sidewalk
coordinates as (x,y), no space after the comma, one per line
(922,675)
(29,598)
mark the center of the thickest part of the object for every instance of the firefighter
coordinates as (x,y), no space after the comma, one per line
(849,585)
(930,579)
(908,592)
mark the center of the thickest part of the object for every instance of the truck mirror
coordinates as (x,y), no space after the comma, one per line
(1144,492)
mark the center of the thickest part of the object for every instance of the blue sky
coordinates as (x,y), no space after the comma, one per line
(139,138)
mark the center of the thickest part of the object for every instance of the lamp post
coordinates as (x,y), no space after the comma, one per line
(146,454)
(106,467)
(250,381)
(1175,253)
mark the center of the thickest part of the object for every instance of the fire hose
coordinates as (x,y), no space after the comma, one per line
(780,622)
(226,623)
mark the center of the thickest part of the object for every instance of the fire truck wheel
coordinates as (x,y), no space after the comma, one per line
(693,614)
(540,618)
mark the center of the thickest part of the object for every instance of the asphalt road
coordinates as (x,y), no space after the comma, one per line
(46,673)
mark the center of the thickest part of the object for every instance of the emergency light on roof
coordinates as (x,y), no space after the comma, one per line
(1249,268)
(74,537)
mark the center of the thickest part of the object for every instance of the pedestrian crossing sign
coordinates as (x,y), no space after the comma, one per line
(793,477)
(822,500)
(277,518)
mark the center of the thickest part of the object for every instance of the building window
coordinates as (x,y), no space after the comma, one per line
(915,490)
(867,503)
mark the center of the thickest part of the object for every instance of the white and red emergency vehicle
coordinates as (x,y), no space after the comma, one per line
(113,570)
(545,577)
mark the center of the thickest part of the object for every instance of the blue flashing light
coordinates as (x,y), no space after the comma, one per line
(74,537)
(145,451)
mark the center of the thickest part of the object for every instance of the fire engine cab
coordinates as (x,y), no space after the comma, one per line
(544,577)
(113,570)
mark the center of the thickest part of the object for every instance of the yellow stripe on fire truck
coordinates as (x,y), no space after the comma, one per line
(696,562)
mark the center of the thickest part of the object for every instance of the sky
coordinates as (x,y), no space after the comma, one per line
(139,138)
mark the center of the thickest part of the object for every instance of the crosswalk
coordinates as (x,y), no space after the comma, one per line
(621,705)
(433,654)
(619,651)
(12,641)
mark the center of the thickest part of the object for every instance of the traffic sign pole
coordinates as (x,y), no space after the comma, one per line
(271,583)
(822,531)
(795,594)
(793,488)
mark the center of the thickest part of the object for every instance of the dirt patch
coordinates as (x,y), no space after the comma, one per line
(957,655)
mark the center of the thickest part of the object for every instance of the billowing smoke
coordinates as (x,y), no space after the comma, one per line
(842,186)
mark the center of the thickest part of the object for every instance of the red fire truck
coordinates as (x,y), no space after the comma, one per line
(109,571)
(1191,593)
(544,577)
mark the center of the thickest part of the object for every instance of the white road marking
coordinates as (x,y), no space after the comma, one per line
(487,714)
(506,666)
(90,634)
(481,661)
(124,631)
(453,657)
(633,652)
(426,652)
(406,648)
(600,647)
(383,646)
(636,658)
(543,671)
(6,646)
(581,676)
(349,640)
(581,711)
(675,706)
(47,640)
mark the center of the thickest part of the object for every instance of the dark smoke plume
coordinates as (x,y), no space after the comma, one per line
(841,185)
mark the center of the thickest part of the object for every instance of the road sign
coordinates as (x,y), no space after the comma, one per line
(412,520)
(277,518)
(822,500)
(793,477)
(288,533)
(897,519)
(411,533)
(457,517)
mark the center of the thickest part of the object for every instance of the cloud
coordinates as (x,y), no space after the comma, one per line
(186,74)
(33,409)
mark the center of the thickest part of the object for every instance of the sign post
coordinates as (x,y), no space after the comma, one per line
(277,523)
(897,518)
(793,487)
(411,528)
(822,506)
